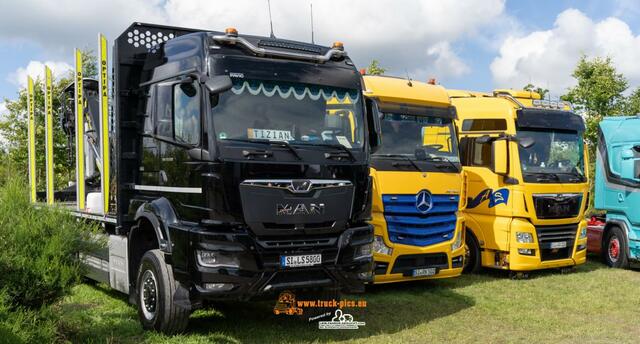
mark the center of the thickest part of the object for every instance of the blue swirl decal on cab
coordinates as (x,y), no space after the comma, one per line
(495,197)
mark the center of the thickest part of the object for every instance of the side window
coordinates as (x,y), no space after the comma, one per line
(186,113)
(164,104)
(475,154)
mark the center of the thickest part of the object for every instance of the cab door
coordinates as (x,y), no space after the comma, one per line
(179,132)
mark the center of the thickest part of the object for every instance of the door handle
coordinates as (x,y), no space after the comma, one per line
(620,197)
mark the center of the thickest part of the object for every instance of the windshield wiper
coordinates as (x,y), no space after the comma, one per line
(578,177)
(283,144)
(404,157)
(543,176)
(441,158)
(331,145)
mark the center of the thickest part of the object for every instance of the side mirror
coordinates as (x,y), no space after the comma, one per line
(500,157)
(218,83)
(484,139)
(526,142)
(627,165)
(373,124)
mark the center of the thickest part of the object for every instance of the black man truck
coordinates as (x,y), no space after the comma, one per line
(236,173)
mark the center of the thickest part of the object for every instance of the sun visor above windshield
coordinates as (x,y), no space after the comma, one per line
(549,119)
(448,112)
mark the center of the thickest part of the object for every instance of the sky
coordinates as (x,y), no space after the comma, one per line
(467,44)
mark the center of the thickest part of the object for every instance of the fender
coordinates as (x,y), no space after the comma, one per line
(625,229)
(161,214)
(473,226)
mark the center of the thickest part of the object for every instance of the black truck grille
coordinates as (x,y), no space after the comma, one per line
(405,264)
(557,206)
(556,242)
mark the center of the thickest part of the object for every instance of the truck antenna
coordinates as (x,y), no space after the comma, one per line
(408,78)
(270,20)
(312,42)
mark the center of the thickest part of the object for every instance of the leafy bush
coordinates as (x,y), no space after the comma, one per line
(39,247)
(20,325)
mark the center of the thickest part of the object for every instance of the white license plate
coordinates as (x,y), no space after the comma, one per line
(424,272)
(559,244)
(303,260)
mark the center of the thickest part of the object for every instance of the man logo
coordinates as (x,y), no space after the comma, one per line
(300,209)
(424,203)
(300,186)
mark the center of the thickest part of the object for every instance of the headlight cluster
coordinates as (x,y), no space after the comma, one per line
(213,259)
(363,251)
(380,247)
(524,237)
(458,243)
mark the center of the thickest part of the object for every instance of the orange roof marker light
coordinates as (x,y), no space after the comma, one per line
(432,81)
(231,31)
(338,45)
(363,71)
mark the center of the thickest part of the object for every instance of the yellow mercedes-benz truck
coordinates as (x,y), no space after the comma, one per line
(527,179)
(417,182)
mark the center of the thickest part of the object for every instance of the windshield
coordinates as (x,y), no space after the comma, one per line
(551,156)
(412,136)
(295,113)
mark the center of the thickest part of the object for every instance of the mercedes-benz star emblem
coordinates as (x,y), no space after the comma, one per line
(424,201)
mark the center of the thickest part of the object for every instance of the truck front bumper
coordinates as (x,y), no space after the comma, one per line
(405,259)
(346,264)
(543,256)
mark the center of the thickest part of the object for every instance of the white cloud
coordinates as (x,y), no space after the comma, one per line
(416,35)
(547,58)
(35,69)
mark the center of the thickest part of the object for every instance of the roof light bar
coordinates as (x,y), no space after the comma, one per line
(336,52)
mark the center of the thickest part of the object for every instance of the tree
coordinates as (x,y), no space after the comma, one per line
(598,93)
(632,104)
(13,128)
(543,92)
(375,68)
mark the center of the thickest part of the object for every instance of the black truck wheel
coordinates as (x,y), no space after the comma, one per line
(156,288)
(615,249)
(472,258)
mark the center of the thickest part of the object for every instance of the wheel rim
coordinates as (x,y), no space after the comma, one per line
(467,256)
(614,249)
(149,295)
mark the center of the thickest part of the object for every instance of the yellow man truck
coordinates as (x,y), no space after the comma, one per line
(525,163)
(417,182)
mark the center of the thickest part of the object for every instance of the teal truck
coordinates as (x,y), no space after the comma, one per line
(616,236)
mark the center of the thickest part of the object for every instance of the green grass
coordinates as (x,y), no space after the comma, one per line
(593,304)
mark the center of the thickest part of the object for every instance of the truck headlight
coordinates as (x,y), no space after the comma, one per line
(524,237)
(380,247)
(363,251)
(212,259)
(583,233)
(458,243)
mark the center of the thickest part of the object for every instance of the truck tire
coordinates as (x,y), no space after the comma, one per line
(614,251)
(155,290)
(472,258)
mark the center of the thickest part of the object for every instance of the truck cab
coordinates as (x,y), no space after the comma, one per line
(527,181)
(617,191)
(417,182)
